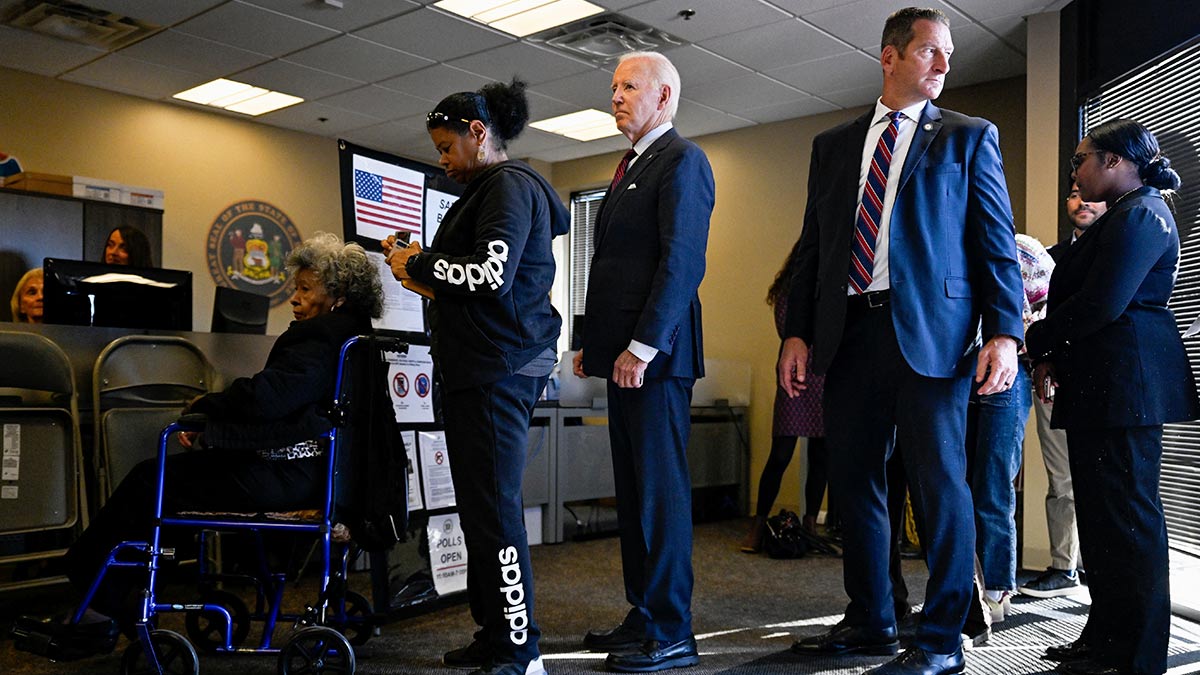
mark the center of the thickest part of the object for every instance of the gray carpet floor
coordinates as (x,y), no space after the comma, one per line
(748,609)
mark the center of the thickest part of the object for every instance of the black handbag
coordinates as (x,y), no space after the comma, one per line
(785,536)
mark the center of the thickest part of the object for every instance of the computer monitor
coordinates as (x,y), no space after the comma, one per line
(236,311)
(82,293)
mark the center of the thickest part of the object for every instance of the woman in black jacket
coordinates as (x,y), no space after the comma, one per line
(1111,346)
(261,448)
(494,343)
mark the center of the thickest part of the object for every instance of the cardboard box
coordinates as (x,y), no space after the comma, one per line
(142,196)
(40,182)
(96,188)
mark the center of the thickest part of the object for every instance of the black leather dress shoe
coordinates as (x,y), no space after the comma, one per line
(64,641)
(1088,668)
(847,639)
(1071,651)
(619,639)
(917,661)
(472,657)
(654,656)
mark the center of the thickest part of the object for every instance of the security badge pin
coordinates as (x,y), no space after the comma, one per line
(632,186)
(928,127)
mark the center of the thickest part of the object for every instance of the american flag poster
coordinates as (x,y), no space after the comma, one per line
(387,199)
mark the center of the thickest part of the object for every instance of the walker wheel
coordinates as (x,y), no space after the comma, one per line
(174,653)
(316,650)
(358,626)
(207,629)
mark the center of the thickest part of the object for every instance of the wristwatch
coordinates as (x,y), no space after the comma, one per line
(409,263)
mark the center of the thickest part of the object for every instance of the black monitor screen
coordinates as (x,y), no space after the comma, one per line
(83,293)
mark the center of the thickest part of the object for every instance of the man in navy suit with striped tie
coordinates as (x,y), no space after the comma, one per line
(643,334)
(907,250)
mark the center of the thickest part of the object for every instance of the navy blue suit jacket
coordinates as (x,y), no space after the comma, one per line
(650,238)
(1116,349)
(952,256)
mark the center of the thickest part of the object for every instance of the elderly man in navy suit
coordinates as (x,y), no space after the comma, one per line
(907,246)
(643,334)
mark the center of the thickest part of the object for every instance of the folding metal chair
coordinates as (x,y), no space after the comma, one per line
(141,383)
(40,489)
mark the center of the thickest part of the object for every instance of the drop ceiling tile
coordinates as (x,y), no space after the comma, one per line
(197,55)
(161,13)
(543,107)
(616,4)
(352,15)
(591,89)
(804,7)
(980,57)
(694,119)
(533,141)
(256,29)
(844,71)
(577,150)
(790,110)
(297,80)
(778,44)
(855,96)
(531,64)
(131,76)
(359,59)
(386,104)
(395,137)
(696,64)
(434,34)
(982,10)
(1013,30)
(712,18)
(743,93)
(308,117)
(435,82)
(861,23)
(39,54)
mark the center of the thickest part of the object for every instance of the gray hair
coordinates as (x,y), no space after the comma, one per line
(343,269)
(661,71)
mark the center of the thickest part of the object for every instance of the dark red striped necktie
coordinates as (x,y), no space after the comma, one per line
(621,168)
(870,211)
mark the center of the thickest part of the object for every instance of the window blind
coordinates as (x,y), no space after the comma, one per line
(584,206)
(1165,96)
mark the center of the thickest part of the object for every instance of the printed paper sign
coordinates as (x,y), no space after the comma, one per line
(415,503)
(447,554)
(410,382)
(436,205)
(402,309)
(435,470)
(388,199)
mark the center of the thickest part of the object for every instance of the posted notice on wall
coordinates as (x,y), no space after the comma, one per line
(415,500)
(436,205)
(447,554)
(402,309)
(388,199)
(12,459)
(410,383)
(435,469)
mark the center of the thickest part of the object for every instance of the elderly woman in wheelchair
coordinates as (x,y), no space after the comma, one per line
(262,449)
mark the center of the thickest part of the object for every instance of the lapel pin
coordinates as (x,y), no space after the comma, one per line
(928,127)
(632,186)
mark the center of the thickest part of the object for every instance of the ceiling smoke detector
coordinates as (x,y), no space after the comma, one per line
(604,37)
(76,23)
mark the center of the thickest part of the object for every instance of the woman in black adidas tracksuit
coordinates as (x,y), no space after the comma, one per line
(494,342)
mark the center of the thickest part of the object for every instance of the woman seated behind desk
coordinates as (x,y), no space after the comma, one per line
(259,452)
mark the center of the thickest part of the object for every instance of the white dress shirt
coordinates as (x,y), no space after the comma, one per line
(908,128)
(639,349)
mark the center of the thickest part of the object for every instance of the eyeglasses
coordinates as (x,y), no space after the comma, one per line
(439,116)
(1077,158)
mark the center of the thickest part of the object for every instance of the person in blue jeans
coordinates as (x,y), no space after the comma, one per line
(995,442)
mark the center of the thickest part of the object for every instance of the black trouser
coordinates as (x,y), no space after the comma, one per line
(487,432)
(1123,538)
(199,480)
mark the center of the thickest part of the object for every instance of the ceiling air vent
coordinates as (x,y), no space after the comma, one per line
(76,23)
(604,37)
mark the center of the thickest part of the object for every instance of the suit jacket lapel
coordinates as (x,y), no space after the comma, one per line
(630,177)
(927,129)
(845,196)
